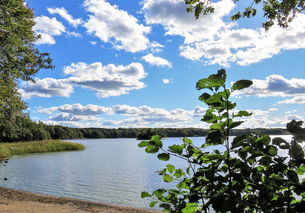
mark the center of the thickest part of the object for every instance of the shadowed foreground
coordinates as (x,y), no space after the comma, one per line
(12,201)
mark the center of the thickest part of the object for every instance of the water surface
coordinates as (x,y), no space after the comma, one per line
(112,171)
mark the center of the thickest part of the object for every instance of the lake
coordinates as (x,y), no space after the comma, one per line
(111,171)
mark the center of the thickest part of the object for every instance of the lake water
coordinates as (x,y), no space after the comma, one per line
(112,171)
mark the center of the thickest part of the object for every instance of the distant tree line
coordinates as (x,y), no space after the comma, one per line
(28,130)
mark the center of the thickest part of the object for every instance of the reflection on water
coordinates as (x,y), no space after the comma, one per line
(109,170)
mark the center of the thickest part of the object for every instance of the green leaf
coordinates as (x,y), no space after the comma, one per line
(296,151)
(214,80)
(167,178)
(241,114)
(283,144)
(260,168)
(235,124)
(145,194)
(204,97)
(143,144)
(187,141)
(176,149)
(265,139)
(215,137)
(239,140)
(170,168)
(241,84)
(156,141)
(151,149)
(163,156)
(152,204)
(178,173)
(272,150)
(217,126)
(301,170)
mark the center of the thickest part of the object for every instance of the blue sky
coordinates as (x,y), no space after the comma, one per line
(135,64)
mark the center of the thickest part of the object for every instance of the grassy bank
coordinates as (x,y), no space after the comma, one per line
(9,149)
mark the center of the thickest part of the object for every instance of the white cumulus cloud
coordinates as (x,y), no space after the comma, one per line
(47,87)
(109,80)
(156,61)
(110,24)
(216,41)
(65,15)
(47,28)
(275,85)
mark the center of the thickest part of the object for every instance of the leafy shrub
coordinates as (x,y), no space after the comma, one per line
(248,176)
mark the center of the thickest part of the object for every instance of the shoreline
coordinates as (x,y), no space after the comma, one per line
(12,200)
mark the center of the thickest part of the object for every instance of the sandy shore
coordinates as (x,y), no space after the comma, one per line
(15,201)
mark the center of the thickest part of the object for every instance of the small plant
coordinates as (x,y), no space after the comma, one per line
(248,176)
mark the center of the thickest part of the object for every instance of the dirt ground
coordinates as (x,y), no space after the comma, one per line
(14,201)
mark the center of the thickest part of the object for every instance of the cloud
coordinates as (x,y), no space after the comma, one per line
(70,117)
(47,28)
(74,34)
(277,85)
(106,81)
(166,81)
(156,47)
(45,39)
(199,111)
(247,46)
(273,109)
(156,61)
(109,80)
(126,115)
(110,24)
(77,115)
(65,15)
(77,109)
(47,87)
(291,111)
(295,100)
(216,41)
(176,21)
(75,124)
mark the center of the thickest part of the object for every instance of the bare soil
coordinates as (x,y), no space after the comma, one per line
(15,201)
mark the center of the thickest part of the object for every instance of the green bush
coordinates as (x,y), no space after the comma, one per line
(248,176)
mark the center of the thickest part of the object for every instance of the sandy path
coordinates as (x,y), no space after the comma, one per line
(14,201)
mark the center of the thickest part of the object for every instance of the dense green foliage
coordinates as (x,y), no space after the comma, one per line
(9,149)
(250,173)
(280,12)
(19,60)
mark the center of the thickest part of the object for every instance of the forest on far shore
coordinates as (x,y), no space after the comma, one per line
(28,130)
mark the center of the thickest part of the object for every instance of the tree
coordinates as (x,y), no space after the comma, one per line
(280,12)
(244,175)
(19,60)
(11,107)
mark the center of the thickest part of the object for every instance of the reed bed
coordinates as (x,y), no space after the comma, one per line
(9,149)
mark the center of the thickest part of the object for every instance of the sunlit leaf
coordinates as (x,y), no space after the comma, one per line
(145,194)
(241,84)
(170,168)
(167,178)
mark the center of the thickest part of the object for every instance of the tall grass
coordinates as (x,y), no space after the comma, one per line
(9,149)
